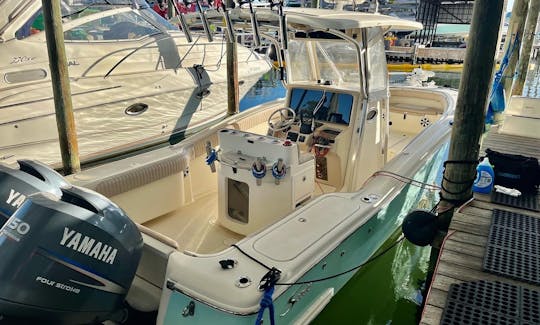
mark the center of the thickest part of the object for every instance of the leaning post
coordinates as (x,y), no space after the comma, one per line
(232,73)
(526,46)
(65,120)
(515,27)
(471,107)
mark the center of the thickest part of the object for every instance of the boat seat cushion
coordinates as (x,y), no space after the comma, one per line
(133,172)
(146,186)
(139,175)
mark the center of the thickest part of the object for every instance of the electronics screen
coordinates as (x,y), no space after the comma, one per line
(336,107)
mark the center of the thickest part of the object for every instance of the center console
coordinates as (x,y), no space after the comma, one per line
(320,143)
(261,179)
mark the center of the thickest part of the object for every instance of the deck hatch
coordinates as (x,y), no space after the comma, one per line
(290,239)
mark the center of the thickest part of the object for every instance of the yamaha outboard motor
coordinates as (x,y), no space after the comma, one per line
(67,260)
(17,184)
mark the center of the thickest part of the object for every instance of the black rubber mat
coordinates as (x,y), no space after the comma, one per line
(485,302)
(518,221)
(513,247)
(524,201)
(530,306)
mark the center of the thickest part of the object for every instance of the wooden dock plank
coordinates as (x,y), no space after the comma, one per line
(470,249)
(463,250)
(440,286)
(437,297)
(432,315)
(482,220)
(465,274)
(491,206)
(477,211)
(461,259)
(511,144)
(469,238)
(469,228)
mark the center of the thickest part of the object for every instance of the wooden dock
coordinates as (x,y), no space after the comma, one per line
(463,250)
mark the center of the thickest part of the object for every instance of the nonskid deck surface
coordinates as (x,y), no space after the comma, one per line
(398,140)
(195,227)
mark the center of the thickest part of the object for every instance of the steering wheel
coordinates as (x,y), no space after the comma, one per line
(286,119)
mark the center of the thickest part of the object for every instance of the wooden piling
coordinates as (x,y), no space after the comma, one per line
(468,117)
(65,120)
(525,53)
(515,27)
(471,106)
(232,73)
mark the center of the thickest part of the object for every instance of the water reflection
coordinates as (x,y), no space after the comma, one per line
(368,300)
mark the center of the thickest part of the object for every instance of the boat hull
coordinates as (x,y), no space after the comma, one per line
(369,239)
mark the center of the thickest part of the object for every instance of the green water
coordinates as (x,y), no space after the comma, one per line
(387,291)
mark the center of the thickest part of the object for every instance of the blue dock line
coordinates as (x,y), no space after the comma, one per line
(266,302)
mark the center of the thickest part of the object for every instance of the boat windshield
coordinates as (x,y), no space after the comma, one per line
(332,107)
(147,19)
(332,60)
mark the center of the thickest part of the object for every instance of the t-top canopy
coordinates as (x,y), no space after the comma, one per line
(333,19)
(318,18)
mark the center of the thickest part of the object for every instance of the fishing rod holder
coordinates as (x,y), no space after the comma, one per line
(204,21)
(254,22)
(228,23)
(185,28)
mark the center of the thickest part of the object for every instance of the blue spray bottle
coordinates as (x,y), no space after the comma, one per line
(484,177)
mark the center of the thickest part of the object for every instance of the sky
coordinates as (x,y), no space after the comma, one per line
(510,4)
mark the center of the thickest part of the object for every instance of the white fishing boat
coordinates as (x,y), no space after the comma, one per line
(134,77)
(311,186)
(277,206)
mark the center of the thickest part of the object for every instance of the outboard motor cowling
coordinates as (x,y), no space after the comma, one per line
(17,184)
(68,259)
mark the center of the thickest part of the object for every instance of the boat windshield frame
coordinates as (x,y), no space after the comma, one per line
(329,59)
(16,16)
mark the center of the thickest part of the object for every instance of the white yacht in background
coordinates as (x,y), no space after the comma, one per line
(134,78)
